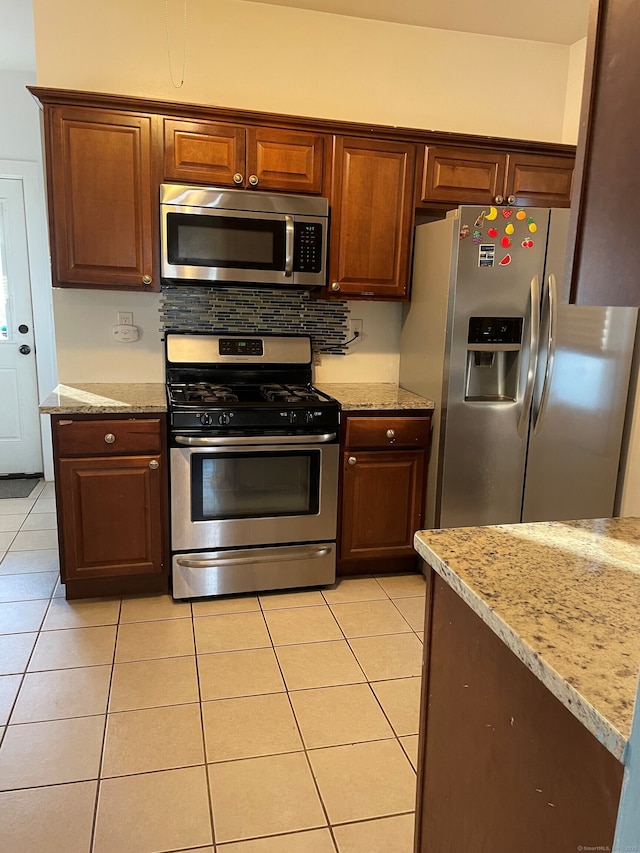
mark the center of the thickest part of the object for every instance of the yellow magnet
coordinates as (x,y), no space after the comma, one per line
(533,227)
(493,214)
(521,214)
(509,229)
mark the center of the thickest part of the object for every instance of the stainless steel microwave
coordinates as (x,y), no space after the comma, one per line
(213,235)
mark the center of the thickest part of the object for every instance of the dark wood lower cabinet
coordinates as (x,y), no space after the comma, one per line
(382,487)
(503,766)
(112,506)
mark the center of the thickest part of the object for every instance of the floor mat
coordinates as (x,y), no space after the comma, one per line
(17,487)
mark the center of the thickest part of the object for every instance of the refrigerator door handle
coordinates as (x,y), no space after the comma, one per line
(534,343)
(551,293)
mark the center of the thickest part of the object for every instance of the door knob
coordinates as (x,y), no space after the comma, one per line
(24,350)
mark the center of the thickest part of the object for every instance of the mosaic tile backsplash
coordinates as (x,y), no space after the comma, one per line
(255,310)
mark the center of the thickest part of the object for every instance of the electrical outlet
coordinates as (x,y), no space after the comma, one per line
(125,318)
(355,330)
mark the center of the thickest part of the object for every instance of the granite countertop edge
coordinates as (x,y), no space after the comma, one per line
(613,740)
(105,398)
(380,396)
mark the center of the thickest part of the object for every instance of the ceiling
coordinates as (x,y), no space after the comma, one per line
(552,21)
(538,20)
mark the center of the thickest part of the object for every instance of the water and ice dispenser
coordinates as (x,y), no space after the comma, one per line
(494,346)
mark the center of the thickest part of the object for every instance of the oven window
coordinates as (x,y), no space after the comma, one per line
(225,241)
(255,484)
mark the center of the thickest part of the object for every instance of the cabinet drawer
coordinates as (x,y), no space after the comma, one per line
(388,432)
(103,437)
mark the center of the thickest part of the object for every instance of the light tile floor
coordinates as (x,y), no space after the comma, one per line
(276,723)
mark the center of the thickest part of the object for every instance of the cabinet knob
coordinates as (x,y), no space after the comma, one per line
(352,460)
(390,433)
(237,178)
(146,279)
(499,199)
(154,464)
(253,180)
(109,438)
(511,199)
(335,286)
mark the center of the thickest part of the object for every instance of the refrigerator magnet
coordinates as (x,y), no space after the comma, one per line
(505,261)
(480,220)
(486,254)
(464,232)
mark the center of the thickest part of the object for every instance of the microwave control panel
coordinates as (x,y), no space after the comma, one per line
(307,251)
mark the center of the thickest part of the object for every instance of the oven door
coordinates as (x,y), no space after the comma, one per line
(206,244)
(262,494)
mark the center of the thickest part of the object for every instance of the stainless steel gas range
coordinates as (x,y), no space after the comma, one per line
(253,465)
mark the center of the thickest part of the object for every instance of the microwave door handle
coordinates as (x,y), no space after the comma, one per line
(288,246)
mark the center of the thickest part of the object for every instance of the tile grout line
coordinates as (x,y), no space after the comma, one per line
(202,729)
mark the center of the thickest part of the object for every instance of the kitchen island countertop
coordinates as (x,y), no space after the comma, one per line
(105,398)
(358,396)
(564,597)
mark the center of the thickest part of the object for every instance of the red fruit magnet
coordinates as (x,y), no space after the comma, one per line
(505,242)
(492,232)
(527,244)
(505,261)
(507,212)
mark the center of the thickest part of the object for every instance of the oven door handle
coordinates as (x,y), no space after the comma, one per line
(226,441)
(308,552)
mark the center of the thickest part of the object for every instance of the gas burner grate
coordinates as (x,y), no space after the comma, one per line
(289,394)
(204,393)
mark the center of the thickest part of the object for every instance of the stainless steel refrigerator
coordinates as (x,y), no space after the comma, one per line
(530,392)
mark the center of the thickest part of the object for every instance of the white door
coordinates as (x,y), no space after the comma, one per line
(20,445)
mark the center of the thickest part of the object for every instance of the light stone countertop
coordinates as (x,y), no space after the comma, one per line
(565,598)
(373,395)
(103,398)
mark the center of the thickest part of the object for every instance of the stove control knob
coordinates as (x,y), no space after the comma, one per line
(206,419)
(294,417)
(223,419)
(309,416)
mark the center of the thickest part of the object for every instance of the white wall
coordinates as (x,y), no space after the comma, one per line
(265,57)
(573,100)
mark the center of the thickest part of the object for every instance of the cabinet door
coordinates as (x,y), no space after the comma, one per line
(462,175)
(102,202)
(382,498)
(372,218)
(540,180)
(285,160)
(204,152)
(110,515)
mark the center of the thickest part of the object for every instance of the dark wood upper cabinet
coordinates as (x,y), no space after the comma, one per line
(604,262)
(371,218)
(539,180)
(462,176)
(203,152)
(102,204)
(475,176)
(252,157)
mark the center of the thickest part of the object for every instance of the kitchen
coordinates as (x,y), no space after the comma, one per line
(81,356)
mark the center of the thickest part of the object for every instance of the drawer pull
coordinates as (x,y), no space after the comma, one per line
(390,433)
(352,460)
(109,438)
(154,464)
